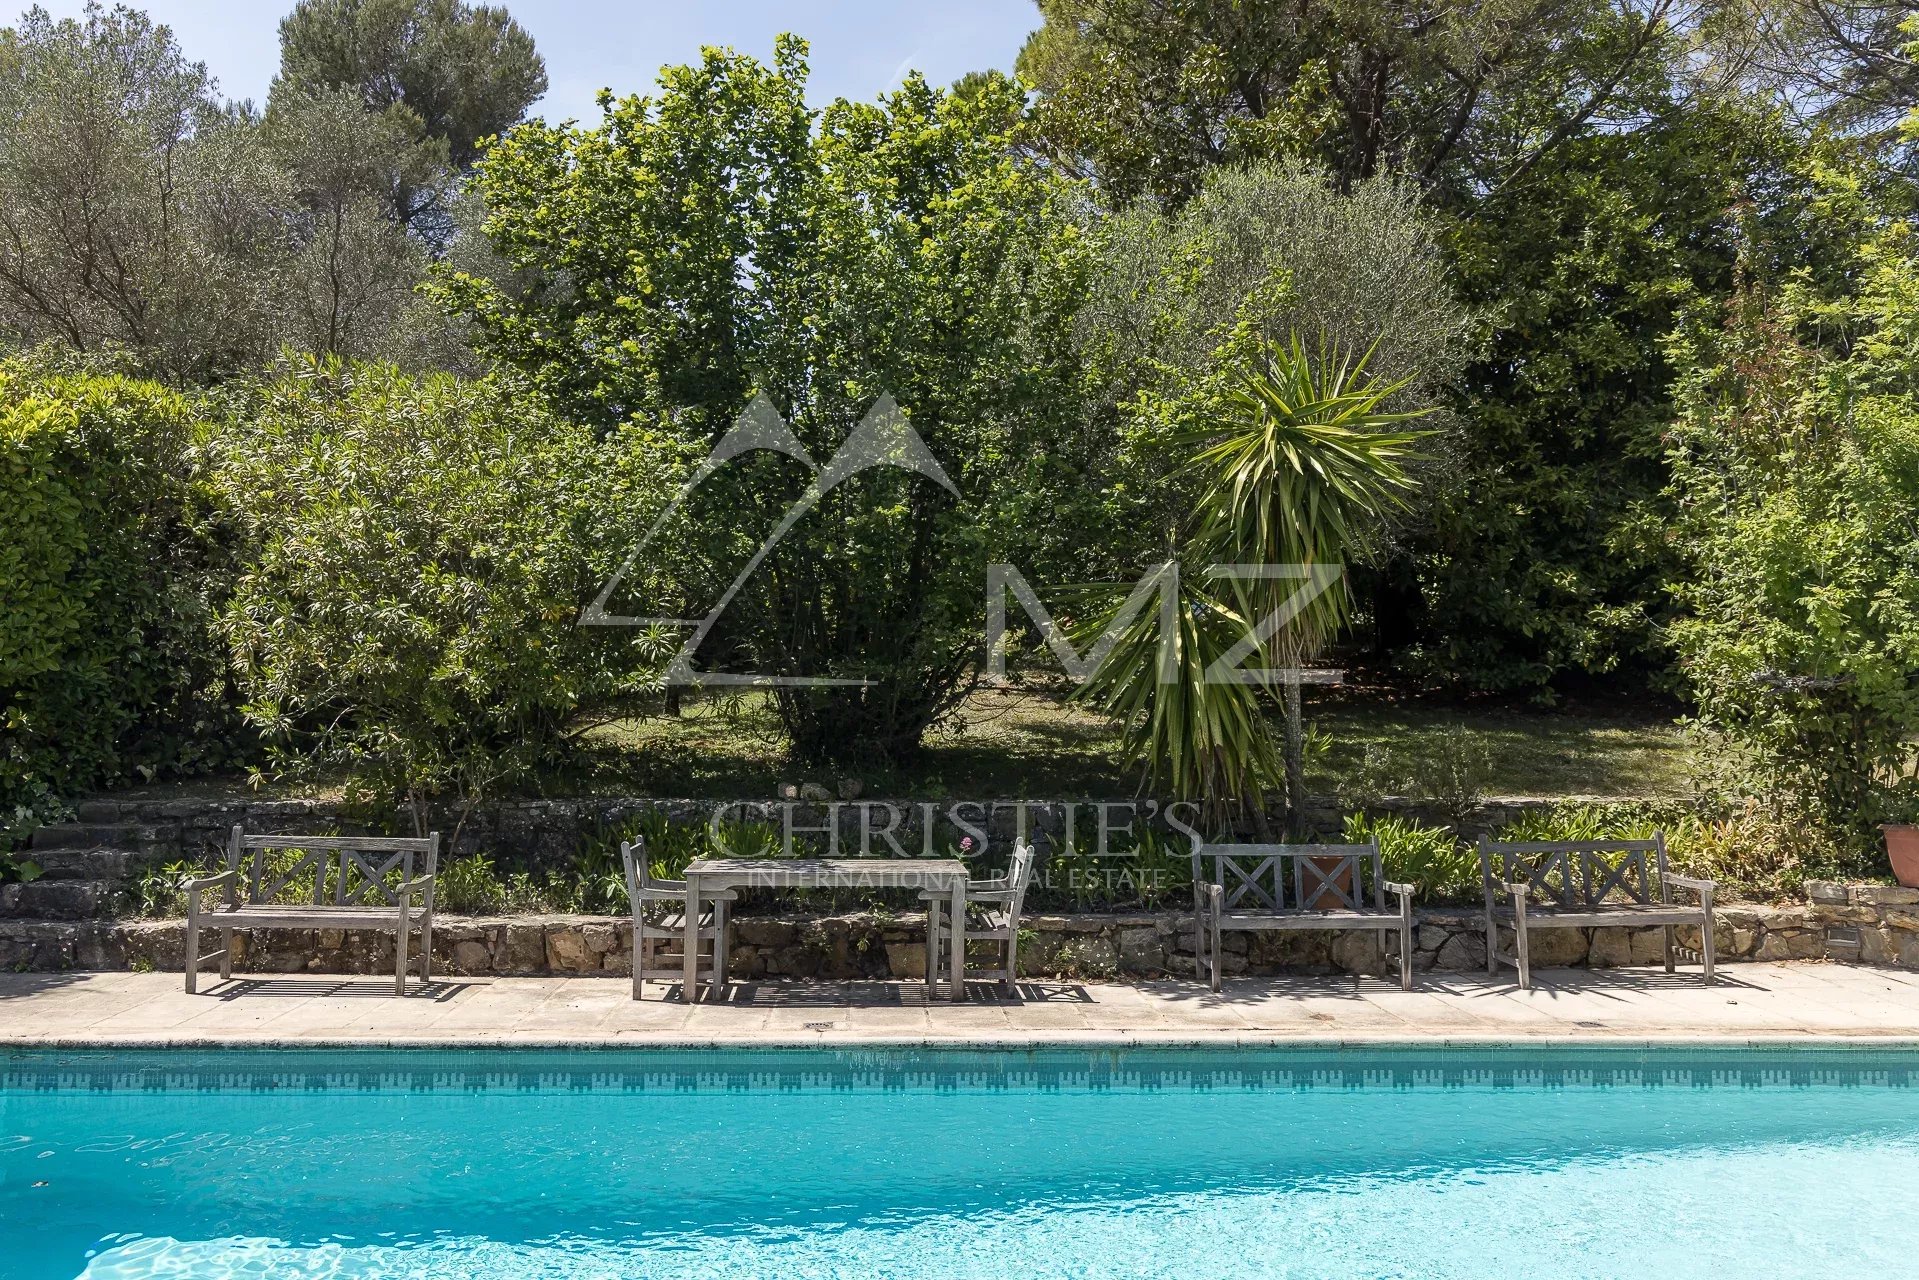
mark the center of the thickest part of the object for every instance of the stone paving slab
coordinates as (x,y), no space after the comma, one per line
(1752,1000)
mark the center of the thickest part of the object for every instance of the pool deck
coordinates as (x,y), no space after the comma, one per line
(1751,1002)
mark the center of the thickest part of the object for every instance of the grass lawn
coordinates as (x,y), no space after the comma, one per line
(1033,743)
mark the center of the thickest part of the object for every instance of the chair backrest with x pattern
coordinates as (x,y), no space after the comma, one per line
(1293,877)
(347,870)
(1577,874)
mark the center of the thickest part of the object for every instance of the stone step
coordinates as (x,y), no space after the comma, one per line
(82,864)
(102,835)
(47,899)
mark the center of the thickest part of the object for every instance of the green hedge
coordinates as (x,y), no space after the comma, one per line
(106,563)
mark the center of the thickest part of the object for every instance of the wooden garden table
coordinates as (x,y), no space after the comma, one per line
(945,876)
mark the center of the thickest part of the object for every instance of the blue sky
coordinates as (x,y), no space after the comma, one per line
(859,47)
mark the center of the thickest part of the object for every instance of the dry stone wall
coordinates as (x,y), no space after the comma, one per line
(1873,924)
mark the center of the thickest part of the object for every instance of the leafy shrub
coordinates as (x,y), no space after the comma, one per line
(107,576)
(1588,822)
(420,551)
(1440,867)
(469,886)
(1797,470)
(904,247)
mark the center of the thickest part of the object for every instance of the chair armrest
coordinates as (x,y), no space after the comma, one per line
(419,882)
(1393,886)
(192,884)
(1704,888)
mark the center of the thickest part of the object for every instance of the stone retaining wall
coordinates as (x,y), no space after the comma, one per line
(1869,923)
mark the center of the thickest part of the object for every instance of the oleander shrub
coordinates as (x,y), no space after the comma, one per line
(419,550)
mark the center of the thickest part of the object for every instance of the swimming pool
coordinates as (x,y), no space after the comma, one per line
(1296,1161)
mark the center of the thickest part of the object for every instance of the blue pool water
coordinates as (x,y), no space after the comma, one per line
(1307,1162)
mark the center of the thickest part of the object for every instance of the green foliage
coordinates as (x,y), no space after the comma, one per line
(1440,866)
(1275,253)
(719,240)
(132,223)
(1797,473)
(146,214)
(468,885)
(1146,95)
(461,72)
(156,893)
(419,550)
(16,868)
(108,573)
(1544,554)
(1584,822)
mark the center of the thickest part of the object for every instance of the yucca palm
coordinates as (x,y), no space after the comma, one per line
(1303,463)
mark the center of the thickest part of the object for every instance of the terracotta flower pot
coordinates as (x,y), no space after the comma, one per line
(1902,850)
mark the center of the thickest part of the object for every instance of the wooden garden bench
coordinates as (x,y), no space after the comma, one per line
(359,882)
(1586,884)
(1295,886)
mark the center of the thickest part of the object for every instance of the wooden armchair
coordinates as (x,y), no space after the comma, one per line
(1002,900)
(659,917)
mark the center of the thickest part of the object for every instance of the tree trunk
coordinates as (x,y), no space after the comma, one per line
(1295,760)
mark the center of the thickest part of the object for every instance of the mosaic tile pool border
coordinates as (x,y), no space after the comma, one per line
(583,1069)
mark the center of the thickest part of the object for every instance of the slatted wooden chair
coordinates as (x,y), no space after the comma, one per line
(359,882)
(1295,886)
(1000,901)
(1586,884)
(659,924)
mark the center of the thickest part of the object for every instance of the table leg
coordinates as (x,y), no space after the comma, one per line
(956,939)
(690,961)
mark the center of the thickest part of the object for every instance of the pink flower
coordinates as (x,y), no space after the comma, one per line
(966,845)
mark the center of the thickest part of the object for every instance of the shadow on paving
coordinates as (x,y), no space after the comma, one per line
(880,995)
(1350,987)
(25,986)
(307,988)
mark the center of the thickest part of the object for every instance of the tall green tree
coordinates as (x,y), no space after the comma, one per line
(465,72)
(353,269)
(443,75)
(139,213)
(719,241)
(1145,95)
(134,212)
(1545,554)
(1275,248)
